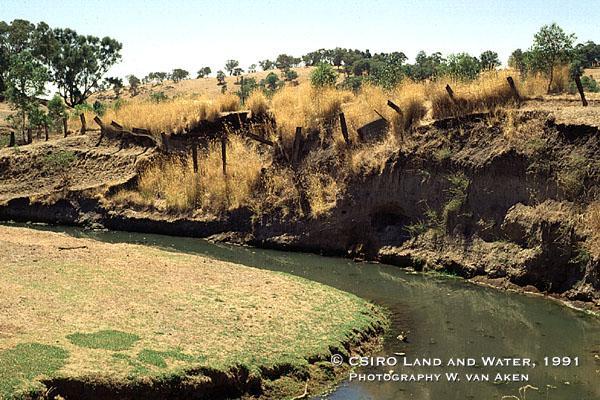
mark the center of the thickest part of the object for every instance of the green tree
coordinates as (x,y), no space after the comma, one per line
(463,66)
(271,82)
(116,84)
(284,62)
(489,60)
(266,65)
(179,74)
(323,75)
(25,80)
(252,68)
(231,65)
(551,47)
(290,75)
(427,67)
(79,62)
(56,112)
(247,86)
(134,84)
(516,60)
(220,77)
(203,72)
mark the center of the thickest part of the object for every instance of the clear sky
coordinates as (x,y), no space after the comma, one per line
(162,35)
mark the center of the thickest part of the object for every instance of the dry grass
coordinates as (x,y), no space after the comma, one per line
(257,103)
(592,219)
(171,184)
(155,313)
(170,116)
(486,93)
(366,160)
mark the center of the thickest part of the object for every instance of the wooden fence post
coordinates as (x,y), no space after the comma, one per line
(195,156)
(224,152)
(513,89)
(450,92)
(242,90)
(66,132)
(29,137)
(13,140)
(394,107)
(46,132)
(297,144)
(580,89)
(344,129)
(83,125)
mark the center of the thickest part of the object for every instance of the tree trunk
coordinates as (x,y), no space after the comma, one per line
(551,78)
(65,126)
(46,131)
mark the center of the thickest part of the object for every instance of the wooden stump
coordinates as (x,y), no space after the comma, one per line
(195,157)
(83,124)
(513,89)
(65,130)
(13,140)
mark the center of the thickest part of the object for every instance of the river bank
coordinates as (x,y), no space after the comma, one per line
(508,199)
(130,321)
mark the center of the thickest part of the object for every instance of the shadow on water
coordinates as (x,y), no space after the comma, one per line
(446,317)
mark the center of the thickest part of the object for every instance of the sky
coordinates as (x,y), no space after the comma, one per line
(162,35)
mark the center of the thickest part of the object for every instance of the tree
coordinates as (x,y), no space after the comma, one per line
(589,53)
(463,66)
(25,80)
(134,84)
(285,62)
(427,67)
(38,120)
(116,83)
(271,82)
(221,81)
(266,65)
(551,47)
(323,75)
(252,68)
(203,72)
(179,74)
(78,63)
(489,60)
(290,75)
(516,60)
(247,86)
(57,112)
(231,65)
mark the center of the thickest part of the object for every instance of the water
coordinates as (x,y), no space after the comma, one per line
(446,317)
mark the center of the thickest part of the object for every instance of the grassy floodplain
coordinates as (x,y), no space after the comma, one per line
(126,317)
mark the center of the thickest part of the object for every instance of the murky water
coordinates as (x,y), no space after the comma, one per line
(447,318)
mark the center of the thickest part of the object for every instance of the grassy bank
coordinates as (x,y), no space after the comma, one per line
(123,317)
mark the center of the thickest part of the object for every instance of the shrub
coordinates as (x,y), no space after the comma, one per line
(323,75)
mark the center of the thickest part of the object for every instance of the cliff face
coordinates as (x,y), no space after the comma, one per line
(508,198)
(504,198)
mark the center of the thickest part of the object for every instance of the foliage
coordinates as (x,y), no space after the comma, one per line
(179,74)
(323,75)
(284,62)
(203,72)
(231,65)
(551,46)
(56,112)
(290,75)
(266,65)
(463,66)
(158,97)
(59,160)
(99,108)
(247,87)
(489,60)
(271,82)
(517,61)
(134,84)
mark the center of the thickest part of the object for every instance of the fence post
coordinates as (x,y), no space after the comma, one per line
(394,107)
(66,132)
(83,125)
(195,156)
(513,89)
(344,129)
(450,92)
(297,144)
(242,90)
(580,89)
(13,140)
(29,137)
(224,152)
(46,132)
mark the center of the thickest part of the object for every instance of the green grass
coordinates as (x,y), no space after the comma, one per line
(24,362)
(152,315)
(107,340)
(59,160)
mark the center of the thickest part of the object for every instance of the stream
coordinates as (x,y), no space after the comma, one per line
(447,318)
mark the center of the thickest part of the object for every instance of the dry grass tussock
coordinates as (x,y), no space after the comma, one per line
(257,103)
(171,184)
(592,221)
(170,116)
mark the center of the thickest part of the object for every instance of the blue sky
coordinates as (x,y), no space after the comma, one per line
(161,35)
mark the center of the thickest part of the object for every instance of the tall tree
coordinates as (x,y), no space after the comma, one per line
(25,81)
(551,47)
(231,65)
(489,60)
(179,74)
(134,84)
(78,63)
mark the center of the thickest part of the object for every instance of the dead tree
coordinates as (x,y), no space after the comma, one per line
(344,129)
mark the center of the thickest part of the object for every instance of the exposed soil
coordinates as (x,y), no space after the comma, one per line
(500,198)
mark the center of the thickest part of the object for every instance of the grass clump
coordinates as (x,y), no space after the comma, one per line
(24,362)
(158,358)
(257,103)
(107,340)
(592,220)
(59,160)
